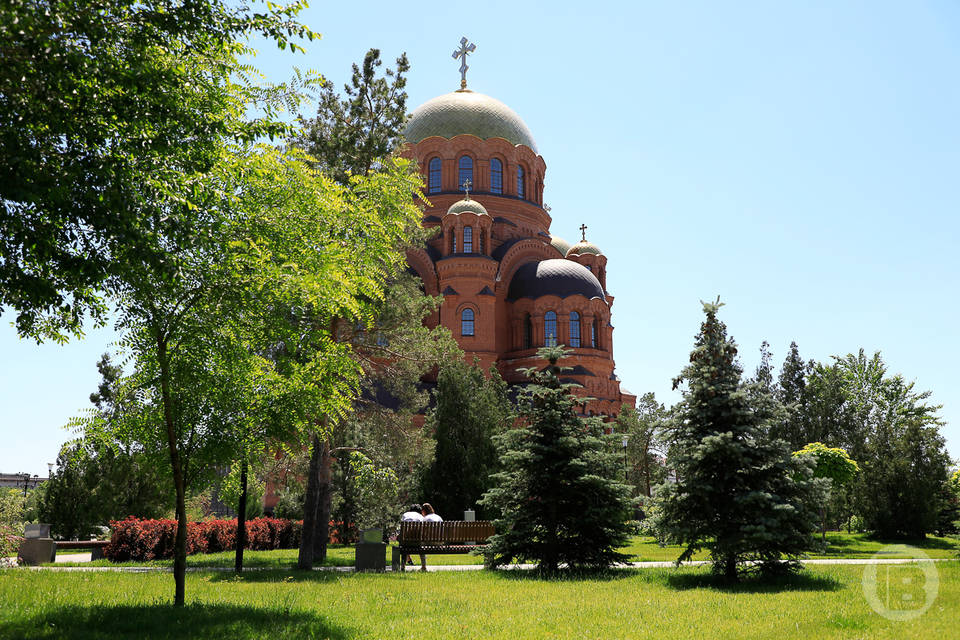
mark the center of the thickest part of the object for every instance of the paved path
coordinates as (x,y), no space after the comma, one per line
(478,567)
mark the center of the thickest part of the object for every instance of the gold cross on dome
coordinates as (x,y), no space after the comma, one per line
(465,49)
(466,188)
(583,232)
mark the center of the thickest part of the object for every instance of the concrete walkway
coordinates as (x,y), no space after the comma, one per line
(479,567)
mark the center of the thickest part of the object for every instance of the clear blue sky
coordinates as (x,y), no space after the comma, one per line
(798,159)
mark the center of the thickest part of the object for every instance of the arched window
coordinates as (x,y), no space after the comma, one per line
(468,239)
(453,241)
(466,171)
(574,329)
(550,329)
(593,334)
(496,176)
(466,322)
(435,165)
(527,332)
(520,183)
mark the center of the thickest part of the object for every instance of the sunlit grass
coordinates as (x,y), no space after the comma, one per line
(822,602)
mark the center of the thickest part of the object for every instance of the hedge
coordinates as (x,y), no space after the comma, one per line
(135,539)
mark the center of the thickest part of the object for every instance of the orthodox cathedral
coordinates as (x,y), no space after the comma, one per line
(509,286)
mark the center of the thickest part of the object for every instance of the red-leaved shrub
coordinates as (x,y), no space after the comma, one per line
(134,539)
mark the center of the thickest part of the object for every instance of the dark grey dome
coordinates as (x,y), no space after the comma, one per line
(557,277)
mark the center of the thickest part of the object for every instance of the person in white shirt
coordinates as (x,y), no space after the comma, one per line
(429,514)
(414,514)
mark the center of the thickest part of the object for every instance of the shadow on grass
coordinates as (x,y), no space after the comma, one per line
(803,581)
(171,623)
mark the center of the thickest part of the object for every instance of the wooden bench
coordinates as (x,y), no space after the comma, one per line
(96,546)
(454,536)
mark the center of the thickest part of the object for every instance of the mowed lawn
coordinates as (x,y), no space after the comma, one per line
(822,602)
(640,549)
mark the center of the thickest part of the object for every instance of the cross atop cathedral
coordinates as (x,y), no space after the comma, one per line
(583,232)
(466,188)
(465,49)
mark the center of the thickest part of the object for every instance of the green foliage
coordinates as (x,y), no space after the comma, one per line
(95,483)
(830,462)
(229,491)
(376,492)
(646,447)
(471,408)
(738,493)
(894,434)
(352,135)
(557,496)
(110,114)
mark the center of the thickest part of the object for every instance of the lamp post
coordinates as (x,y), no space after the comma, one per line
(624,441)
(26,482)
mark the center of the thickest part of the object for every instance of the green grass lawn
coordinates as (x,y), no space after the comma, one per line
(822,602)
(640,549)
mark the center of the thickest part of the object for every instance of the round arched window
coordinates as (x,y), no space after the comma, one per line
(466,322)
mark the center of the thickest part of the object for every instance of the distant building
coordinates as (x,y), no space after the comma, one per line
(17,480)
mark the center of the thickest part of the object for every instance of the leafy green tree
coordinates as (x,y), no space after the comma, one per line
(894,433)
(646,451)
(557,494)
(738,493)
(471,408)
(109,111)
(198,376)
(833,465)
(351,134)
(99,478)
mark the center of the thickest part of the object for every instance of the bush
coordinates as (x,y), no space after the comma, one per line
(140,540)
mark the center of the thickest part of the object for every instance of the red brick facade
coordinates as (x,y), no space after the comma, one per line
(511,302)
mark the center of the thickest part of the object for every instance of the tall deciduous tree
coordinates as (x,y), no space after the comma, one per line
(557,494)
(738,493)
(109,112)
(894,434)
(471,408)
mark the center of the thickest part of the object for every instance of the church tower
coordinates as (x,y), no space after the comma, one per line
(509,287)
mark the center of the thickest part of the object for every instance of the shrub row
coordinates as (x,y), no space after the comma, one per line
(135,539)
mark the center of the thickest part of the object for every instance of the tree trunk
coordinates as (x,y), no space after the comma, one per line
(823,526)
(322,535)
(242,516)
(730,568)
(179,483)
(311,502)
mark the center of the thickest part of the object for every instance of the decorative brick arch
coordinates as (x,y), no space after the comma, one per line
(524,251)
(420,262)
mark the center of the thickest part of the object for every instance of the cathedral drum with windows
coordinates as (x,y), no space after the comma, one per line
(509,287)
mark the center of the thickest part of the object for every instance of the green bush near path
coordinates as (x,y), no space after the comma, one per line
(822,602)
(640,549)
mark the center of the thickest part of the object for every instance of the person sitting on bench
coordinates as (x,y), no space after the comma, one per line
(414,514)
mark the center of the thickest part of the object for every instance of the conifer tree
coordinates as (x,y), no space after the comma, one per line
(739,493)
(471,408)
(557,495)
